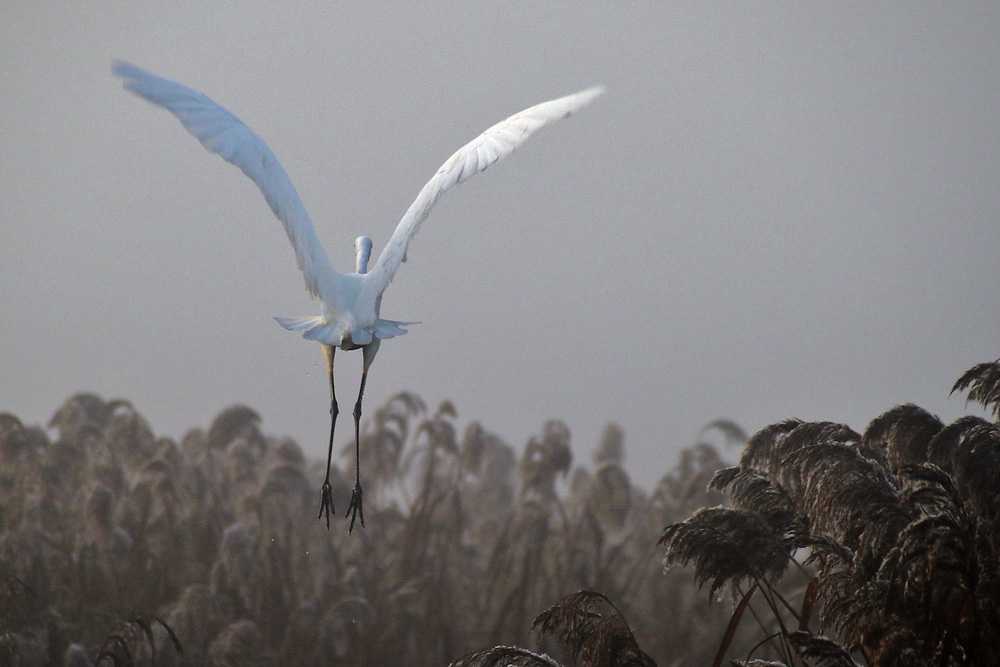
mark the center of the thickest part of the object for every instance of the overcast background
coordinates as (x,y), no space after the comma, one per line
(777,211)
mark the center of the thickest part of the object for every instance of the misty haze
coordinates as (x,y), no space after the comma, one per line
(774,213)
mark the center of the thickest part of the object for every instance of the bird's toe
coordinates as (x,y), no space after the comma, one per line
(326,504)
(356,509)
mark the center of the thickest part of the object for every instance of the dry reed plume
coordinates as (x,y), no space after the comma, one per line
(880,548)
(114,541)
(897,531)
(837,548)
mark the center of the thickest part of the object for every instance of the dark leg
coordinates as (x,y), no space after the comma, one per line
(326,502)
(355,509)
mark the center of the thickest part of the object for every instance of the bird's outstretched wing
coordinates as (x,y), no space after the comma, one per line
(223,133)
(491,146)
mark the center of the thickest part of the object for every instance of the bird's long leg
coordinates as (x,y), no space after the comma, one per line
(356,509)
(326,502)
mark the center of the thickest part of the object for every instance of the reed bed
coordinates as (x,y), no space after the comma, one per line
(820,546)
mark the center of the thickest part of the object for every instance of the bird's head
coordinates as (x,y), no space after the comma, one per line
(363,248)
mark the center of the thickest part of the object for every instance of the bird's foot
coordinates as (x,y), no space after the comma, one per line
(355,509)
(326,503)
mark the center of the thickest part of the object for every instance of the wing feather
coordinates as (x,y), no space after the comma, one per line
(488,148)
(223,133)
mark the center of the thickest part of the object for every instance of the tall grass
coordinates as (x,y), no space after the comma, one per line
(110,535)
(831,547)
(897,531)
(880,549)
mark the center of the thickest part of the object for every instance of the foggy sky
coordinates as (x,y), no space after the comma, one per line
(778,210)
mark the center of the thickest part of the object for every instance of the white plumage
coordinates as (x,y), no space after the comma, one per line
(349,316)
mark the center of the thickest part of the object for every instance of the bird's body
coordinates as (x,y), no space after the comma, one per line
(350,315)
(355,322)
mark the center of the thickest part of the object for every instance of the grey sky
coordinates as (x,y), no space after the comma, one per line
(777,210)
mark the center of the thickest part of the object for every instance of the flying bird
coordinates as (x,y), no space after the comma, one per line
(351,302)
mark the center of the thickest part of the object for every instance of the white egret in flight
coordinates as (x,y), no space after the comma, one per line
(351,302)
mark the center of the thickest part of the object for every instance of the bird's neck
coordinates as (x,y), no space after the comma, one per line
(363,255)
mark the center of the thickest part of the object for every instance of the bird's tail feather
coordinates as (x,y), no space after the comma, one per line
(314,328)
(299,323)
(331,333)
(390,328)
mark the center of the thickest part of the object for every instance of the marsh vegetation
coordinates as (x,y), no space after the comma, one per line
(820,546)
